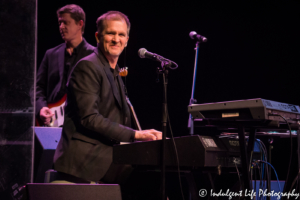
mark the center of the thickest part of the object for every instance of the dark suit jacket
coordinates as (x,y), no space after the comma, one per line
(51,72)
(96,117)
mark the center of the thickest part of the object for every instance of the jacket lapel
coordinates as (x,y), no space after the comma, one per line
(110,77)
(81,54)
(61,60)
(126,108)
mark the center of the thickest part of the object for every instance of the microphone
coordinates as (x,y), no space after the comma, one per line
(198,37)
(143,53)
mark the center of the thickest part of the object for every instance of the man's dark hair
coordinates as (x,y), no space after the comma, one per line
(111,15)
(76,13)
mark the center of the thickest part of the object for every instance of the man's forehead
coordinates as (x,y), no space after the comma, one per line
(64,16)
(114,20)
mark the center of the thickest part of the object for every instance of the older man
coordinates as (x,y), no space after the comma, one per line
(97,115)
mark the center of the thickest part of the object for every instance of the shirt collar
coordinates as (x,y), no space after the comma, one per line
(115,71)
(78,48)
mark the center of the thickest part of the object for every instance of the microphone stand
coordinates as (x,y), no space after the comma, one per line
(164,71)
(192,100)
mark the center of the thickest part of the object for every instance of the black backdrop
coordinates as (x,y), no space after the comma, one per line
(252,51)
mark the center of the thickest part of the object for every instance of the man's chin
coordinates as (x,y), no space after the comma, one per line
(115,54)
(64,38)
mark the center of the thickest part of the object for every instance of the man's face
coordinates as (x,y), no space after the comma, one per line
(68,28)
(113,38)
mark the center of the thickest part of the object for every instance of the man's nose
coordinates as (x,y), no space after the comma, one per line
(116,38)
(62,25)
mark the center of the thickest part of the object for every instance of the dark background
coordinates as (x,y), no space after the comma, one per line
(17,66)
(252,51)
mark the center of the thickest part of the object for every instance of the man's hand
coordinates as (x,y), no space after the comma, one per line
(148,135)
(46,115)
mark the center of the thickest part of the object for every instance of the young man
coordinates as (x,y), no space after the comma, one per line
(57,63)
(97,115)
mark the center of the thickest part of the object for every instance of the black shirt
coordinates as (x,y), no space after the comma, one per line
(70,62)
(115,73)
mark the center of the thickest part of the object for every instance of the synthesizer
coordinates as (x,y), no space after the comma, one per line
(193,152)
(250,109)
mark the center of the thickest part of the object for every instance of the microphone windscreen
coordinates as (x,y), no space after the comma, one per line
(142,52)
(192,34)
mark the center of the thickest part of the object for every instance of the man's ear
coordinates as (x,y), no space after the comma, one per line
(97,37)
(80,23)
(126,42)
